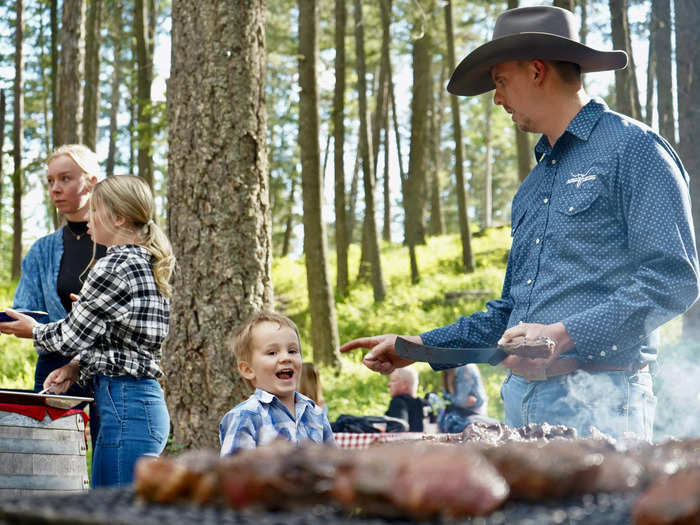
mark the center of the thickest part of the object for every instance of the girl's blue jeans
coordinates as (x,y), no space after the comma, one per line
(614,402)
(134,421)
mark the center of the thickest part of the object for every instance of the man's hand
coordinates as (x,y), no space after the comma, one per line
(536,369)
(382,356)
(22,327)
(62,378)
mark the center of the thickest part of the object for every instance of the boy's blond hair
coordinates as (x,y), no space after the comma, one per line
(243,338)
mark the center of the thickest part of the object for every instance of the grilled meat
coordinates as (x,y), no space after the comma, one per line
(672,501)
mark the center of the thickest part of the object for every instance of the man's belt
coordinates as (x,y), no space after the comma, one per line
(568,365)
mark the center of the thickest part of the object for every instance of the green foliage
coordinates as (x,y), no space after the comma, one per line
(18,355)
(408,309)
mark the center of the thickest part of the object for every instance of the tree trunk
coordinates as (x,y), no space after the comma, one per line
(144,76)
(565,4)
(437,225)
(217,175)
(287,239)
(464,228)
(626,91)
(341,227)
(17,138)
(373,255)
(382,104)
(522,139)
(651,75)
(352,197)
(688,75)
(92,74)
(324,329)
(583,31)
(386,229)
(488,163)
(53,13)
(3,108)
(70,108)
(116,31)
(661,15)
(414,200)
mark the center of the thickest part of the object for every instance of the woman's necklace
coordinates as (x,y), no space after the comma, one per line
(76,235)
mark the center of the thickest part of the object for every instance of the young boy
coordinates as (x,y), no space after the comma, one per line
(268,356)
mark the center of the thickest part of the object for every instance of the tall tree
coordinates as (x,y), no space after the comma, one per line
(324,329)
(382,114)
(688,76)
(437,225)
(414,196)
(3,108)
(116,38)
(70,107)
(144,77)
(217,174)
(626,90)
(370,224)
(92,74)
(53,14)
(341,228)
(386,226)
(464,228)
(18,143)
(651,74)
(522,139)
(661,16)
(565,4)
(488,162)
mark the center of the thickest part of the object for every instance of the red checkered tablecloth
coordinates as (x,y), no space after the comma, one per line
(357,440)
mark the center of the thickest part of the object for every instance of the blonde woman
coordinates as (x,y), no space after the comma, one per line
(52,269)
(116,328)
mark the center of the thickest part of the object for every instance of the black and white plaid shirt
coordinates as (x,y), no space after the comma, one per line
(120,322)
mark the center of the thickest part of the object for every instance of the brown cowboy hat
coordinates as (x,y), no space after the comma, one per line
(525,33)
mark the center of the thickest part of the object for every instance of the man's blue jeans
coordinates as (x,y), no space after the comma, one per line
(134,421)
(614,402)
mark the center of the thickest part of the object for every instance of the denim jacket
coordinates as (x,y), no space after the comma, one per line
(37,288)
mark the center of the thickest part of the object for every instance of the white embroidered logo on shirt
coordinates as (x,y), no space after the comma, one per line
(580,178)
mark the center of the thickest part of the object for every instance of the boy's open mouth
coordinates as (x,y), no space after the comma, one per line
(286,373)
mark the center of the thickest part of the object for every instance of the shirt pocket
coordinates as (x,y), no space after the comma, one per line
(572,204)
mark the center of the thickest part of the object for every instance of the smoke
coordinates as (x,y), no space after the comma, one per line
(677,388)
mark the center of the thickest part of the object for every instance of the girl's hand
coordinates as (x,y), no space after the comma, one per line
(62,378)
(22,327)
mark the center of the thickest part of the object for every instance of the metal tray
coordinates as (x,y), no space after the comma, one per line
(24,397)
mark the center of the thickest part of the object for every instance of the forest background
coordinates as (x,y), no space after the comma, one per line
(294,142)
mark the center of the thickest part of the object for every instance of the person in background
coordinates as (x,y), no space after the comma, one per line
(310,385)
(403,386)
(268,358)
(56,265)
(116,328)
(465,391)
(603,249)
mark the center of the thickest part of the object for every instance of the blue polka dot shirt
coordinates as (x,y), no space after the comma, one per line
(603,241)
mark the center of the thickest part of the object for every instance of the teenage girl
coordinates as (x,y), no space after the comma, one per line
(116,328)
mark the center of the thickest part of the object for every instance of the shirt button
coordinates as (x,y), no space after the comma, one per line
(529,281)
(554,161)
(602,353)
(571,208)
(545,200)
(537,241)
(614,347)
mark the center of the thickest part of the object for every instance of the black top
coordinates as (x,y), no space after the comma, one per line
(77,253)
(409,409)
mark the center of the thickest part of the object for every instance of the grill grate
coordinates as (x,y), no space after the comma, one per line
(119,506)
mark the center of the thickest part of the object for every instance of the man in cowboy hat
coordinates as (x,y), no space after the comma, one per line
(603,247)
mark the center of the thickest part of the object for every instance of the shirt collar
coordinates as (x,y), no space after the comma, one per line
(580,126)
(140,250)
(299,399)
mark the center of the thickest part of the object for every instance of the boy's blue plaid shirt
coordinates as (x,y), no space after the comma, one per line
(262,418)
